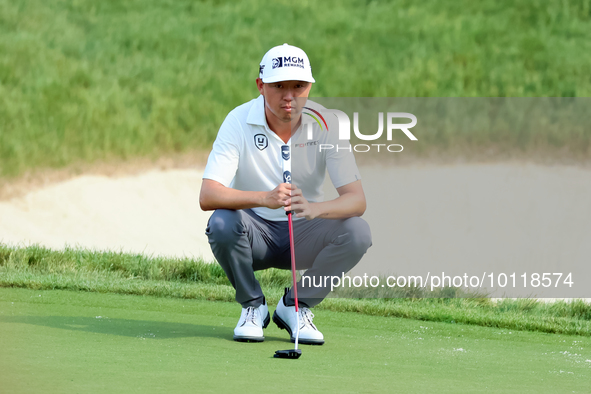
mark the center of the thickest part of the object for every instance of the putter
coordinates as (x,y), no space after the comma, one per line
(295,353)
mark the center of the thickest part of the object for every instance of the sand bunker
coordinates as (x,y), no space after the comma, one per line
(495,215)
(156,213)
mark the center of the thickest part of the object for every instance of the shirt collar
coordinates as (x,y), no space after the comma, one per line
(256,114)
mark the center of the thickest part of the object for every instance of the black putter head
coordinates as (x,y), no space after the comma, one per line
(291,353)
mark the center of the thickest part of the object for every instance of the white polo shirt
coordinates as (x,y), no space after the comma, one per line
(246,155)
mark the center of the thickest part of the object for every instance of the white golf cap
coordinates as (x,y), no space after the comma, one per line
(285,63)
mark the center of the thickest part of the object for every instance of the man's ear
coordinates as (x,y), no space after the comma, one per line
(260,85)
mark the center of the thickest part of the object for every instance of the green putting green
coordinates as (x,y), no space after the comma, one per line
(75,342)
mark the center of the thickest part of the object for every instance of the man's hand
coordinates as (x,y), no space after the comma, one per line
(278,197)
(351,200)
(299,204)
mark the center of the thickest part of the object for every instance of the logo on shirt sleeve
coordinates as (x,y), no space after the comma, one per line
(261,141)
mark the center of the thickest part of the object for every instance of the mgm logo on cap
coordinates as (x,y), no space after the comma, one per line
(285,63)
(288,62)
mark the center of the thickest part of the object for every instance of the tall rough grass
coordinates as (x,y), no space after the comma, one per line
(84,80)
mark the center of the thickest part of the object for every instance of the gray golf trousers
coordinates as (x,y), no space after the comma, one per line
(242,242)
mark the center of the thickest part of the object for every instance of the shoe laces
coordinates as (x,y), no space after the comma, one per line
(251,313)
(306,317)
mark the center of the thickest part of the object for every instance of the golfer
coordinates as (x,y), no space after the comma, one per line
(243,183)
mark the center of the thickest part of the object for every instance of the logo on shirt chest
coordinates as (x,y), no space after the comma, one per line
(285,152)
(261,141)
(286,177)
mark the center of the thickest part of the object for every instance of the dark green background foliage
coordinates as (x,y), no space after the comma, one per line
(84,80)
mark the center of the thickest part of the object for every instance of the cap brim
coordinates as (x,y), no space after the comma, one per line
(291,78)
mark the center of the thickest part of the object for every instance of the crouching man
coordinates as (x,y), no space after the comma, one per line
(243,183)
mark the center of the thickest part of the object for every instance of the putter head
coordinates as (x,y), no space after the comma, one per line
(291,353)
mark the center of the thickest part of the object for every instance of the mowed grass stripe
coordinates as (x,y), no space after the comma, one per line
(112,272)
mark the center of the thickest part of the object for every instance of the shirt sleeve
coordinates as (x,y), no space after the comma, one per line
(222,163)
(340,161)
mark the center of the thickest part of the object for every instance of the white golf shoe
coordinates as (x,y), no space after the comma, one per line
(285,318)
(251,324)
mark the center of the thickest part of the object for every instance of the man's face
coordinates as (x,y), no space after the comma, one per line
(284,100)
